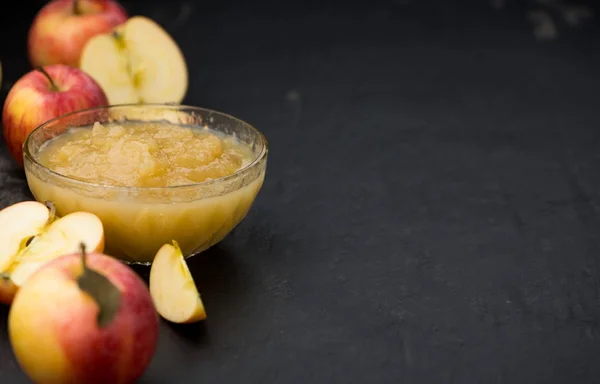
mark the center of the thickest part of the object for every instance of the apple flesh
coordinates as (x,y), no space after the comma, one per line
(61,29)
(41,95)
(20,222)
(55,325)
(138,62)
(172,287)
(61,237)
(32,236)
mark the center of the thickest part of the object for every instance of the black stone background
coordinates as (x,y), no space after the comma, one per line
(430,213)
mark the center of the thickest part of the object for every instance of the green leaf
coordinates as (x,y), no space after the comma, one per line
(102,290)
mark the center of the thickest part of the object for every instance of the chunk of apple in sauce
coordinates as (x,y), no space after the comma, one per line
(138,62)
(32,235)
(172,287)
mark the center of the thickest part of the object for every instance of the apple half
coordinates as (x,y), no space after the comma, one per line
(138,62)
(32,235)
(172,287)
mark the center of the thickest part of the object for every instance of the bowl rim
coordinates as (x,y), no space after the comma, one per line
(82,183)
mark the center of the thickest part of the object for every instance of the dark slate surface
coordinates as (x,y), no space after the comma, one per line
(430,212)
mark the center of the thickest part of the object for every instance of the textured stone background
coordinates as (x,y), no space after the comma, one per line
(430,209)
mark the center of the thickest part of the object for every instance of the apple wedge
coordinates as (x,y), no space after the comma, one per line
(172,287)
(32,235)
(138,62)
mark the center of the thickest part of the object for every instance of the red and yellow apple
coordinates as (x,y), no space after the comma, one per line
(137,62)
(61,29)
(32,235)
(83,319)
(43,94)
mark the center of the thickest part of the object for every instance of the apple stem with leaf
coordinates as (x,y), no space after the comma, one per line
(106,295)
(53,85)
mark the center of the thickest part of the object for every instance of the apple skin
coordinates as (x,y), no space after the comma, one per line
(53,330)
(57,35)
(32,101)
(8,290)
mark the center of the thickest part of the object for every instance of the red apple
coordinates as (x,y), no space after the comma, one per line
(62,27)
(43,94)
(83,319)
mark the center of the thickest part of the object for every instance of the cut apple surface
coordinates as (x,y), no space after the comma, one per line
(31,235)
(62,237)
(19,223)
(139,62)
(172,287)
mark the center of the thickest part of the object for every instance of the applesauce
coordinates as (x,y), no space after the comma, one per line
(143,155)
(149,182)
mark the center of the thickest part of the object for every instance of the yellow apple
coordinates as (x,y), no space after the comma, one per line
(32,235)
(138,62)
(172,287)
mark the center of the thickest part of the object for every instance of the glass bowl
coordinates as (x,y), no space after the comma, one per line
(138,221)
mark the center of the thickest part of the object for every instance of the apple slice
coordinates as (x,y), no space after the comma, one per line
(172,287)
(62,237)
(139,62)
(19,223)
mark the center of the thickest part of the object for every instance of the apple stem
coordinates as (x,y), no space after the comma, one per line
(52,209)
(83,256)
(76,9)
(52,83)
